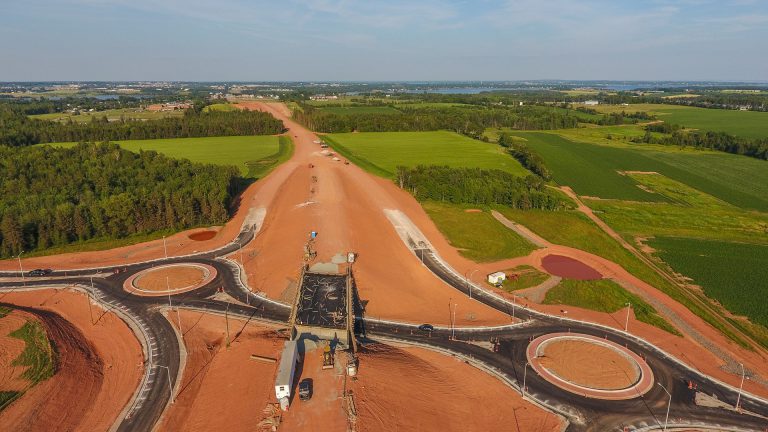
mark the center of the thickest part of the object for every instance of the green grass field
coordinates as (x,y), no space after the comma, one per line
(381,152)
(750,124)
(477,235)
(240,151)
(592,169)
(604,296)
(527,277)
(735,274)
(115,114)
(38,355)
(220,107)
(689,213)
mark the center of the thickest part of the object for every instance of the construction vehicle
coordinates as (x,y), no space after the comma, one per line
(327,357)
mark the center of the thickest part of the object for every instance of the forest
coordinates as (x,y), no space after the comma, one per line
(17,130)
(56,196)
(469,120)
(720,141)
(477,186)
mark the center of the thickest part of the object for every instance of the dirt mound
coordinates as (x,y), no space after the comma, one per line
(416,389)
(589,364)
(569,268)
(202,235)
(64,399)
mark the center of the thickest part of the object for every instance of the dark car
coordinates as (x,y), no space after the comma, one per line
(305,389)
(40,272)
(427,327)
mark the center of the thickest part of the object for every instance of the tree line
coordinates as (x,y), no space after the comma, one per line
(16,129)
(477,186)
(529,159)
(469,120)
(55,196)
(679,136)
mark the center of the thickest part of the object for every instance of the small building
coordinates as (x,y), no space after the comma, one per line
(497,278)
(591,103)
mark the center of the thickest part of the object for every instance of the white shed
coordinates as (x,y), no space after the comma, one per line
(497,278)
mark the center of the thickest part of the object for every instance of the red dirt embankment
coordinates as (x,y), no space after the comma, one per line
(98,366)
(222,389)
(408,388)
(10,349)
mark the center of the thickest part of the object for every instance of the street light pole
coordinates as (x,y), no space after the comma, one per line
(453,326)
(738,399)
(170,387)
(525,373)
(170,306)
(666,419)
(165,248)
(626,323)
(226,318)
(467,281)
(21,270)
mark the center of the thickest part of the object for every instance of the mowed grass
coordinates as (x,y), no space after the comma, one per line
(593,170)
(239,151)
(220,107)
(477,235)
(689,213)
(750,124)
(523,277)
(381,152)
(734,274)
(604,295)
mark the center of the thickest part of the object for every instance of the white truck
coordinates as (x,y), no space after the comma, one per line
(285,371)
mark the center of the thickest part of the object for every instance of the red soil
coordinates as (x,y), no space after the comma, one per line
(569,268)
(10,349)
(407,388)
(218,380)
(178,277)
(588,364)
(202,235)
(98,368)
(346,207)
(473,211)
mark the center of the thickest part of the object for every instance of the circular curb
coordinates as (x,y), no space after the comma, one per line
(130,286)
(643,384)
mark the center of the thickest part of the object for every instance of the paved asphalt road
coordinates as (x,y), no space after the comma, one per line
(584,414)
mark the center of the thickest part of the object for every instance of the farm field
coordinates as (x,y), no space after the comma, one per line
(220,107)
(488,240)
(593,170)
(112,115)
(604,295)
(689,213)
(381,152)
(750,124)
(244,152)
(735,274)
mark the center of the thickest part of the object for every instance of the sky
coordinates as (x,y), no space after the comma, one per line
(388,40)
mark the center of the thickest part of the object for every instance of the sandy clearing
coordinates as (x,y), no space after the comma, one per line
(10,349)
(222,389)
(345,205)
(100,367)
(588,364)
(408,388)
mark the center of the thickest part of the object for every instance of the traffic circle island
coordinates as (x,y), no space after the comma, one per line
(169,279)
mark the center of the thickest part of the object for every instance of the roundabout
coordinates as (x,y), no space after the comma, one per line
(590,366)
(169,279)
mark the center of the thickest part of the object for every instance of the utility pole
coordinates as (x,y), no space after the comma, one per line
(738,399)
(626,323)
(666,419)
(467,281)
(165,248)
(170,306)
(226,318)
(453,326)
(88,298)
(21,270)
